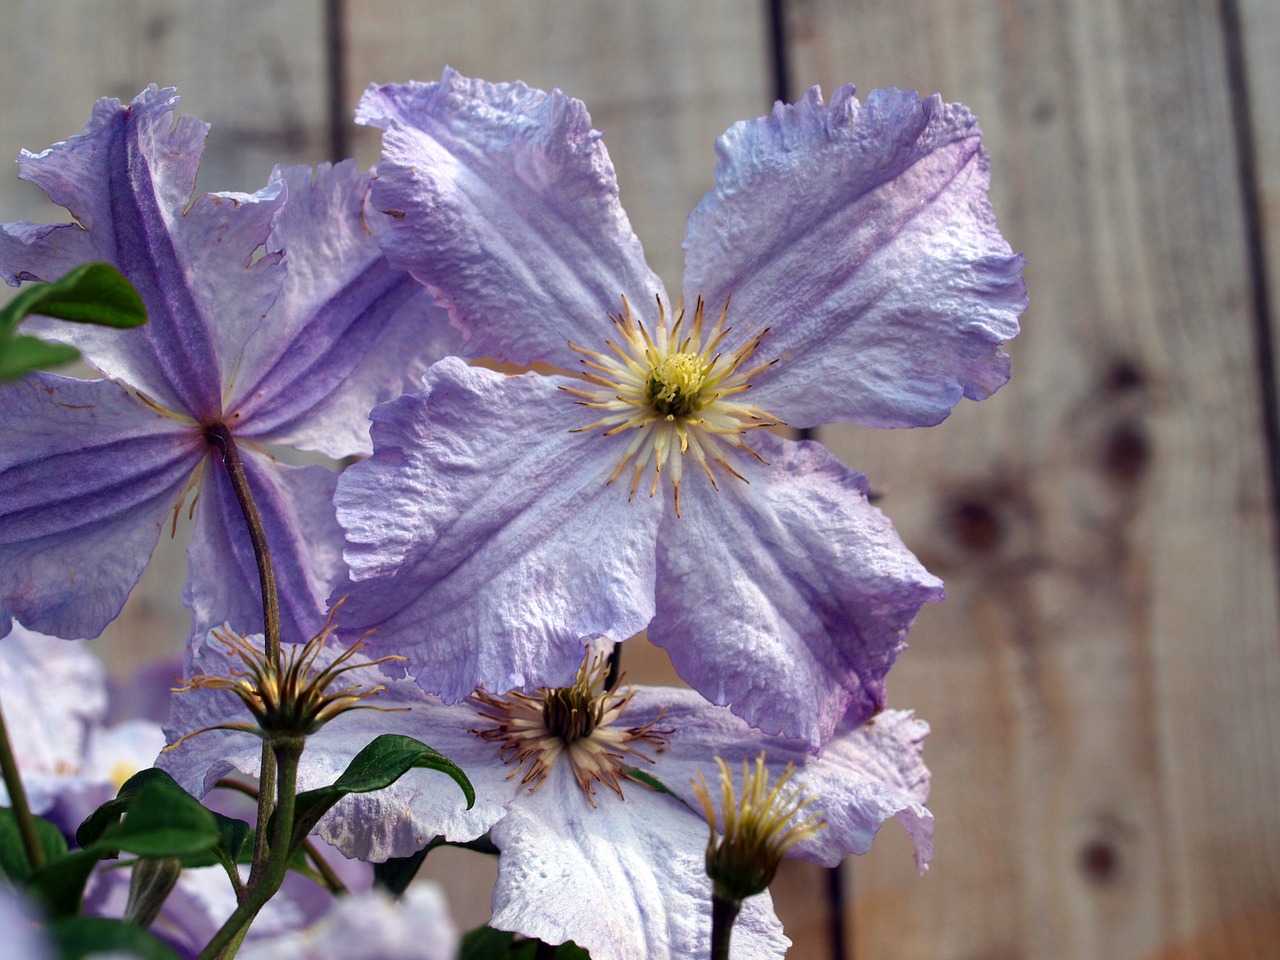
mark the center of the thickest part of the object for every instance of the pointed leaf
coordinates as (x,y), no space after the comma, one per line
(91,293)
(60,883)
(384,761)
(109,814)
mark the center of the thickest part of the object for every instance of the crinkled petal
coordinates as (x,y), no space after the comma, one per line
(863,239)
(52,248)
(302,534)
(394,822)
(88,478)
(505,203)
(347,331)
(128,180)
(626,880)
(864,777)
(787,598)
(484,541)
(371,925)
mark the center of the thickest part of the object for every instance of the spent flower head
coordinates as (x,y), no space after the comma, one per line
(290,694)
(758,827)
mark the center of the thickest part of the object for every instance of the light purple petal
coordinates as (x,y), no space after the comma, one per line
(864,777)
(88,478)
(505,203)
(23,939)
(371,925)
(54,695)
(53,249)
(394,822)
(128,180)
(347,331)
(863,239)
(626,880)
(787,598)
(302,534)
(483,539)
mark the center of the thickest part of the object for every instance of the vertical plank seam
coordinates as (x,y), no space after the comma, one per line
(335,44)
(1255,249)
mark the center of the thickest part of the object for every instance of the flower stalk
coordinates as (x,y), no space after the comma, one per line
(18,800)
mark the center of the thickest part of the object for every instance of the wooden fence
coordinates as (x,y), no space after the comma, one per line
(1104,679)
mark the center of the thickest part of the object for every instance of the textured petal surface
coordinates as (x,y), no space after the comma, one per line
(128,180)
(347,331)
(505,203)
(861,236)
(302,534)
(88,478)
(394,822)
(483,539)
(787,598)
(626,880)
(864,777)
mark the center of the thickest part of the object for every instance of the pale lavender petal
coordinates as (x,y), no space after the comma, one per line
(54,695)
(52,249)
(626,880)
(484,541)
(371,925)
(88,478)
(112,756)
(394,822)
(864,777)
(861,236)
(505,203)
(22,937)
(787,598)
(347,331)
(128,180)
(302,534)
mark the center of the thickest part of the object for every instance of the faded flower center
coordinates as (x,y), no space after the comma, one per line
(676,391)
(577,723)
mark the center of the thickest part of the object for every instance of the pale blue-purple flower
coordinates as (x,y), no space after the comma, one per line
(845,267)
(54,696)
(621,875)
(272,314)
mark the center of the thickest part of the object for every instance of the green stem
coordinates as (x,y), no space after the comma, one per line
(220,437)
(18,800)
(225,941)
(723,914)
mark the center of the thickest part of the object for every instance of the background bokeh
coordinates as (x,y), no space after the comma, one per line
(1104,678)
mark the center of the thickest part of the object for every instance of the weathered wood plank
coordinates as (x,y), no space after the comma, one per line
(254,69)
(1103,679)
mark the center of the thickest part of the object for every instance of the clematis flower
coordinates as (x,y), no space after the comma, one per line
(271,322)
(845,267)
(587,852)
(54,696)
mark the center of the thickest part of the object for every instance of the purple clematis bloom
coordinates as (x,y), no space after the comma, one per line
(55,703)
(846,267)
(586,853)
(278,321)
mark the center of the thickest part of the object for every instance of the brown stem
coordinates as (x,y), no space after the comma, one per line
(18,800)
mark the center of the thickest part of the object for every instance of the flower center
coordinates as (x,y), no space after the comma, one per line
(676,391)
(578,723)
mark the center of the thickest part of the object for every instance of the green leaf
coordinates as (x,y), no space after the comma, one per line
(13,855)
(91,293)
(60,883)
(162,820)
(109,814)
(486,943)
(77,937)
(22,354)
(649,780)
(380,764)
